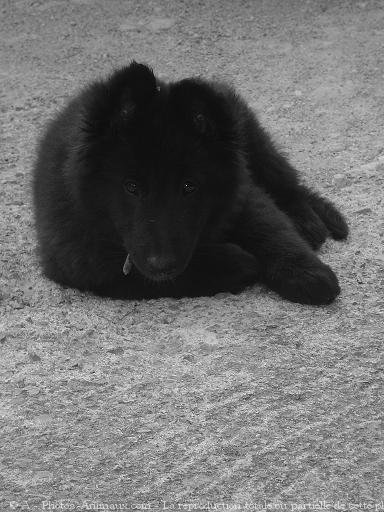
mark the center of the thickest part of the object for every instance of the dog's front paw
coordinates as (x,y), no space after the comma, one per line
(315,284)
(309,225)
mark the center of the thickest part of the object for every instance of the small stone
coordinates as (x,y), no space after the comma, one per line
(363,211)
(190,358)
(271,326)
(160,24)
(17,305)
(34,357)
(33,391)
(76,366)
(43,419)
(223,295)
(116,350)
(42,476)
(340,180)
(128,26)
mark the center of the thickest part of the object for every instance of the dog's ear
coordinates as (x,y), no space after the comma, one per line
(135,82)
(202,109)
(113,102)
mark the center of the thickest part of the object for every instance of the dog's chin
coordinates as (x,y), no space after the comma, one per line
(158,277)
(162,277)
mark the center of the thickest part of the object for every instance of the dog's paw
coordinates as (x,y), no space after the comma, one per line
(336,224)
(330,216)
(314,284)
(220,268)
(309,225)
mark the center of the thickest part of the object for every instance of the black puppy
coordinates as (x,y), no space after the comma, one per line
(145,189)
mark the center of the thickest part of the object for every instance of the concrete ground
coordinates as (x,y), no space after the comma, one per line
(240,401)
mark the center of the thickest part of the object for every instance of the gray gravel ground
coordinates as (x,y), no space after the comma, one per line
(231,399)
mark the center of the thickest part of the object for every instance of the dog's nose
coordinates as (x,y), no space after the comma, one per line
(162,264)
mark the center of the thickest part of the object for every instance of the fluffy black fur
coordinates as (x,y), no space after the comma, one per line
(181,177)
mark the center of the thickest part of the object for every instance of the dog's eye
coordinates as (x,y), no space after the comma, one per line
(189,188)
(131,187)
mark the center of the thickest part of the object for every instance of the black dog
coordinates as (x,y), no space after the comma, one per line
(145,189)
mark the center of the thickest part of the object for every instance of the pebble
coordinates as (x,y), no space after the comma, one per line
(363,211)
(158,24)
(129,25)
(116,350)
(33,391)
(34,357)
(341,180)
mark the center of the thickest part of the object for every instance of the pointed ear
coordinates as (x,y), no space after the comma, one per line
(136,78)
(113,102)
(202,108)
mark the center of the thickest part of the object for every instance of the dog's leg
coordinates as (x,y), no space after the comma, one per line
(287,263)
(218,268)
(314,217)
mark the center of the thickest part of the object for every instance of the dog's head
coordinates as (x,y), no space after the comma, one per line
(162,161)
